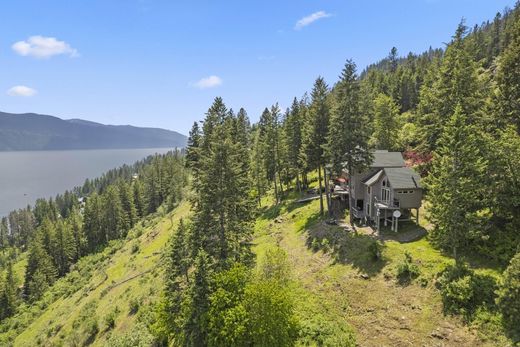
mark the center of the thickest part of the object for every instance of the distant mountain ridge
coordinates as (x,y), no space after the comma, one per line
(31,132)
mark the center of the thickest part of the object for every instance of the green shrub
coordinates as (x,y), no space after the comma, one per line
(135,248)
(406,269)
(134,306)
(320,331)
(375,250)
(110,319)
(463,291)
(509,296)
(139,336)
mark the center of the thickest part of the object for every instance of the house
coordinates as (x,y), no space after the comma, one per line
(387,191)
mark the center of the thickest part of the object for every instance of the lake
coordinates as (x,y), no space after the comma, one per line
(27,176)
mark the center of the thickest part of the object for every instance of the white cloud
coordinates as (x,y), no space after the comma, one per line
(43,47)
(208,82)
(21,91)
(311,19)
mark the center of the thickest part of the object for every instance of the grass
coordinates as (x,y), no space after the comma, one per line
(341,290)
(340,282)
(104,300)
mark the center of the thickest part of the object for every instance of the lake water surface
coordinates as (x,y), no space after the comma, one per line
(27,176)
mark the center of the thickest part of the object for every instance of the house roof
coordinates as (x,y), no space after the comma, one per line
(402,177)
(399,178)
(374,178)
(387,159)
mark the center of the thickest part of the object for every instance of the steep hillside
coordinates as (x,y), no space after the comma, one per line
(31,131)
(340,289)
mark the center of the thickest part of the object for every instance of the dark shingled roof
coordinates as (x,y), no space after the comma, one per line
(402,177)
(387,159)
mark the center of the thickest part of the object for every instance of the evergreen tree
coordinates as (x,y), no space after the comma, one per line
(293,137)
(457,184)
(40,271)
(114,224)
(348,135)
(386,125)
(196,325)
(508,80)
(139,201)
(456,84)
(63,249)
(93,222)
(127,203)
(193,145)
(75,223)
(8,294)
(4,232)
(222,203)
(315,131)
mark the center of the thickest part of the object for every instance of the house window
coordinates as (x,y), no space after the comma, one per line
(385,194)
(369,190)
(384,183)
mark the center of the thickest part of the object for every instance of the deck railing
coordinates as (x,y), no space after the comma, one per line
(392,204)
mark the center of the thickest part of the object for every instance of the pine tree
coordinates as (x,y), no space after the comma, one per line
(456,84)
(8,294)
(457,184)
(4,232)
(348,136)
(315,131)
(40,271)
(193,145)
(196,325)
(222,203)
(114,224)
(63,249)
(508,80)
(75,223)
(127,203)
(293,136)
(386,125)
(93,222)
(139,201)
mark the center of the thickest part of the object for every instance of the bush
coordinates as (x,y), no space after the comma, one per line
(509,296)
(140,336)
(134,306)
(407,270)
(110,319)
(135,248)
(375,249)
(463,291)
(318,330)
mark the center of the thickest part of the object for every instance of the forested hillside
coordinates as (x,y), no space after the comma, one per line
(34,132)
(212,247)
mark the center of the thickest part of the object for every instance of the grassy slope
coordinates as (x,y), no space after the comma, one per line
(126,274)
(346,285)
(335,289)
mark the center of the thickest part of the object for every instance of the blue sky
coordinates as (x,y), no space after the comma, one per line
(160,63)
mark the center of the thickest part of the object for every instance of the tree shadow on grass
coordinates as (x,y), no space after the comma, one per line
(361,251)
(407,232)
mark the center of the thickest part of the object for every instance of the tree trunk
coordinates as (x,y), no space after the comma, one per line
(298,183)
(321,190)
(350,208)
(275,189)
(281,186)
(327,192)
